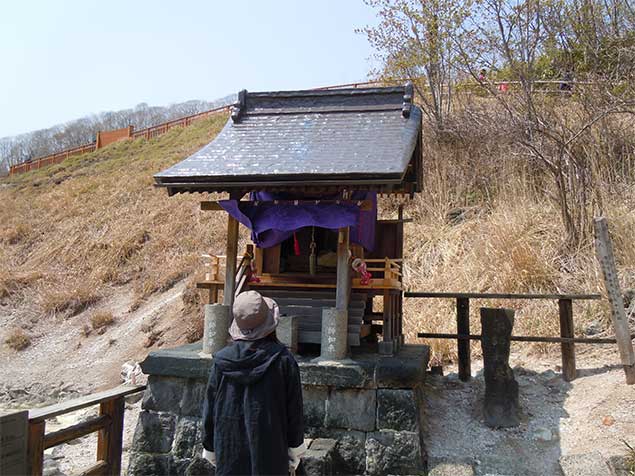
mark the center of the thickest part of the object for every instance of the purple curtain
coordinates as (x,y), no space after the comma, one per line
(272,224)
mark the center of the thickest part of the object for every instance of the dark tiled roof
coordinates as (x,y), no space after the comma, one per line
(367,137)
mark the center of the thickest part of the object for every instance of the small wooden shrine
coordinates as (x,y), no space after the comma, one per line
(302,170)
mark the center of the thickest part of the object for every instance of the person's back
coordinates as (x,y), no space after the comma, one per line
(253,415)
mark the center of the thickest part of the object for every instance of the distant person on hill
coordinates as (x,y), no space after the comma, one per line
(482,75)
(253,422)
(567,79)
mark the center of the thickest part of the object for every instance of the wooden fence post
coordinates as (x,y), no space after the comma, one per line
(569,371)
(604,250)
(110,439)
(36,448)
(463,328)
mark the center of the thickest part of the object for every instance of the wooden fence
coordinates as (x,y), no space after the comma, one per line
(109,424)
(113,136)
(567,339)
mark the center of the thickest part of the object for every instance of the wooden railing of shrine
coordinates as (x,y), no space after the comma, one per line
(387,276)
(109,424)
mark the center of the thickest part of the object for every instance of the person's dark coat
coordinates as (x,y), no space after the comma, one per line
(253,409)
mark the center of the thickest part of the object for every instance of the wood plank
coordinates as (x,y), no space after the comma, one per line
(36,447)
(40,414)
(463,327)
(110,439)
(230,261)
(569,372)
(574,297)
(76,431)
(364,205)
(604,251)
(316,303)
(99,469)
(549,340)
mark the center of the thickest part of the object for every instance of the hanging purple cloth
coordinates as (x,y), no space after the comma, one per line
(271,224)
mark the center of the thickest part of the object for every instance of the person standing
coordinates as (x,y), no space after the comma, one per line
(253,422)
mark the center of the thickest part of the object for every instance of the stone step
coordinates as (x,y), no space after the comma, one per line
(318,460)
(444,467)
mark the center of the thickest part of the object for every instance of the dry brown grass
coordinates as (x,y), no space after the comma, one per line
(18,340)
(108,227)
(70,243)
(100,320)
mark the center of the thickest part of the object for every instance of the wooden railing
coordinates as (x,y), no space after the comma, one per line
(109,424)
(148,133)
(387,276)
(567,339)
(214,280)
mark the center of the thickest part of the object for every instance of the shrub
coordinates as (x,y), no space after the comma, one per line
(18,340)
(100,320)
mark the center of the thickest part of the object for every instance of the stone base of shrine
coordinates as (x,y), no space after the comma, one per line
(362,416)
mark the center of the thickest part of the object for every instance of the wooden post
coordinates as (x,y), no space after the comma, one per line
(386,346)
(109,440)
(463,328)
(569,371)
(230,261)
(343,270)
(604,251)
(36,448)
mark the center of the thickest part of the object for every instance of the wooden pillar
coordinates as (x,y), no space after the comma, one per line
(463,328)
(567,348)
(230,261)
(110,439)
(36,448)
(342,290)
(604,251)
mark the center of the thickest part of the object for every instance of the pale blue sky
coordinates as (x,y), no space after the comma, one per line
(60,60)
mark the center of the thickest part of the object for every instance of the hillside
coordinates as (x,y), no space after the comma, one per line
(93,257)
(92,237)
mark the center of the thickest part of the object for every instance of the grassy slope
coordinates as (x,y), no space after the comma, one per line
(89,228)
(75,232)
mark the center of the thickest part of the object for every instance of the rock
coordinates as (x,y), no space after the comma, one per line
(350,456)
(449,468)
(542,434)
(154,432)
(396,452)
(318,460)
(500,407)
(186,437)
(608,420)
(142,464)
(588,464)
(594,328)
(193,398)
(163,394)
(200,467)
(352,409)
(314,400)
(396,410)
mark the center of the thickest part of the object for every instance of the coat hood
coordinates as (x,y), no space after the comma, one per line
(246,362)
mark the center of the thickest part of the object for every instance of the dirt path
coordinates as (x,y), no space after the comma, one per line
(594,413)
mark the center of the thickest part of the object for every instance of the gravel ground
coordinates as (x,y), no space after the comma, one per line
(594,413)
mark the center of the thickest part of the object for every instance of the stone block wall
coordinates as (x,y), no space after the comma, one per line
(362,418)
(376,430)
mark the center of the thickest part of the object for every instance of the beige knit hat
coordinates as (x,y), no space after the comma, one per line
(255,316)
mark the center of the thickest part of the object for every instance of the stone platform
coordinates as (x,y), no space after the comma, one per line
(362,416)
